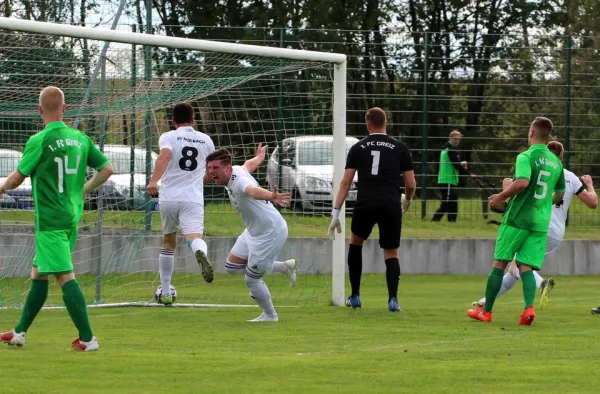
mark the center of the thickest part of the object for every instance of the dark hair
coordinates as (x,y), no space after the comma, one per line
(183,113)
(542,126)
(556,148)
(376,117)
(220,154)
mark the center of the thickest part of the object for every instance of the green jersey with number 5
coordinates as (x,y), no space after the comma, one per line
(56,159)
(532,208)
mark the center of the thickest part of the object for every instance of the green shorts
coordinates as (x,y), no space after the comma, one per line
(527,247)
(53,251)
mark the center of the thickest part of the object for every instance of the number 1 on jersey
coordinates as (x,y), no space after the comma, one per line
(375,167)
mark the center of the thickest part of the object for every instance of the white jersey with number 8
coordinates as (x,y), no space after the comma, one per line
(183,179)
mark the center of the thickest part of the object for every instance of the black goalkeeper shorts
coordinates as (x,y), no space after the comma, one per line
(387,216)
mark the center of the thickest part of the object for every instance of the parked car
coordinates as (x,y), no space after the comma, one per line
(21,197)
(307,171)
(119,192)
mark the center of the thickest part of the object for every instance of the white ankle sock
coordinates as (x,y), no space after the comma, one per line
(261,294)
(279,267)
(198,244)
(166,266)
(538,279)
(508,281)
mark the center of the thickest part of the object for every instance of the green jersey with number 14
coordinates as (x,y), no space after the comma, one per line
(532,208)
(57,158)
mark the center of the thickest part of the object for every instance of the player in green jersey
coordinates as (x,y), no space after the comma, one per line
(524,229)
(56,159)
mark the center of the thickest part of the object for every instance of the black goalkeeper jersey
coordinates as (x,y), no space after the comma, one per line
(379,161)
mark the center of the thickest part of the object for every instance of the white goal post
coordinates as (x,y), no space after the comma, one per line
(338,62)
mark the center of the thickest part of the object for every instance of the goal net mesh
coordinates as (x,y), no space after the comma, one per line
(122,97)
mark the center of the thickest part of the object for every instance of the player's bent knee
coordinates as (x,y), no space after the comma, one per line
(390,254)
(356,240)
(35,275)
(252,276)
(234,268)
(61,279)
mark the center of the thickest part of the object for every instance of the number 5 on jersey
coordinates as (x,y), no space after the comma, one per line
(63,169)
(543,184)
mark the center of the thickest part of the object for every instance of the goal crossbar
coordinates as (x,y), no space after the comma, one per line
(166,41)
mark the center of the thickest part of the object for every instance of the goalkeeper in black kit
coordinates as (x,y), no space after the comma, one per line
(381,162)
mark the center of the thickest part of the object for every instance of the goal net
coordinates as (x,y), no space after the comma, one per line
(120,89)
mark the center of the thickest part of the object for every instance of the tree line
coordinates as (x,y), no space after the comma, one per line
(486,67)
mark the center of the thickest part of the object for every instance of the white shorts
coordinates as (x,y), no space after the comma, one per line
(188,216)
(261,251)
(551,245)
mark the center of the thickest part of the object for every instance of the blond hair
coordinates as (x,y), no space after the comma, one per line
(455,133)
(52,99)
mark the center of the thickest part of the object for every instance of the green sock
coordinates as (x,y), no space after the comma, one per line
(76,305)
(529,288)
(494,284)
(34,303)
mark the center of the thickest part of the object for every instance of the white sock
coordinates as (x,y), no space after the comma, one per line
(508,281)
(279,267)
(516,272)
(260,292)
(198,244)
(234,269)
(166,265)
(538,279)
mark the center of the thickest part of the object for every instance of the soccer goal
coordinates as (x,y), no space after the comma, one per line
(120,88)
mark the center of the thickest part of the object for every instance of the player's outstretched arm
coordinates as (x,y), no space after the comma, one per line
(98,179)
(14,180)
(258,193)
(159,170)
(252,164)
(589,196)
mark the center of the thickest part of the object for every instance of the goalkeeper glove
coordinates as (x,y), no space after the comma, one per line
(405,203)
(334,224)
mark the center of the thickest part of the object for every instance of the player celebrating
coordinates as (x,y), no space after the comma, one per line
(524,228)
(266,231)
(381,162)
(57,158)
(556,230)
(181,165)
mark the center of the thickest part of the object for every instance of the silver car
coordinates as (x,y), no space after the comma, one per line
(122,190)
(307,172)
(21,197)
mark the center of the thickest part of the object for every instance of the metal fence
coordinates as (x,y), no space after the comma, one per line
(429,84)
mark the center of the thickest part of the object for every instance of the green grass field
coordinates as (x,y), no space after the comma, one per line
(221,220)
(431,347)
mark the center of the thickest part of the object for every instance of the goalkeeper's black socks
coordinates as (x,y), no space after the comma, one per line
(355,267)
(392,276)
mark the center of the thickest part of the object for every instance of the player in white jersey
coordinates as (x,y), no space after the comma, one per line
(256,249)
(556,230)
(181,167)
